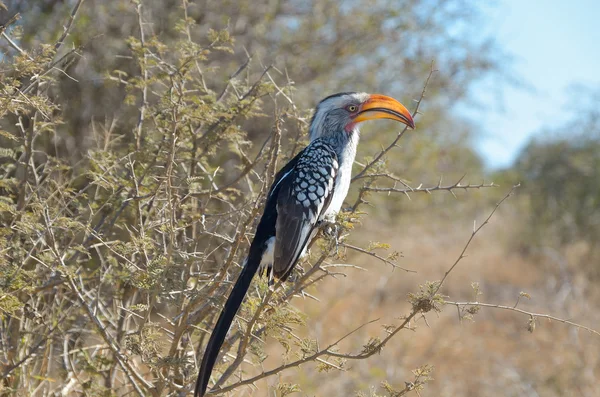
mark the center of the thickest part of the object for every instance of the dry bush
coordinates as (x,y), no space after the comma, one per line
(123,228)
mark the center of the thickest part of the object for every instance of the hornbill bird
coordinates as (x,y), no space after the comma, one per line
(307,192)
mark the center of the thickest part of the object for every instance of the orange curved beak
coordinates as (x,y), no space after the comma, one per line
(384,107)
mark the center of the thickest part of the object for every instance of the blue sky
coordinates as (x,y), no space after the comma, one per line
(555,44)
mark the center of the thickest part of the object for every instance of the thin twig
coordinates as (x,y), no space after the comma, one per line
(144,69)
(129,371)
(247,169)
(528,313)
(312,357)
(429,189)
(68,26)
(400,134)
(15,45)
(11,20)
(473,234)
(374,255)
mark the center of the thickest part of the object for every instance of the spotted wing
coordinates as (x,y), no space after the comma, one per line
(303,199)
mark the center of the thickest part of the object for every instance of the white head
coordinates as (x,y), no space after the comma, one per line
(341,113)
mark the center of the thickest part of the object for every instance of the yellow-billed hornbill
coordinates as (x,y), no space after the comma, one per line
(307,191)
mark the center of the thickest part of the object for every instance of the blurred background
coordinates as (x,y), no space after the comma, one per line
(514,98)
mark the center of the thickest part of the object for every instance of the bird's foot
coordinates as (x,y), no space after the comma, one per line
(268,269)
(330,229)
(333,232)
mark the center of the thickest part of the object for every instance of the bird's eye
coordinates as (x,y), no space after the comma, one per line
(352,108)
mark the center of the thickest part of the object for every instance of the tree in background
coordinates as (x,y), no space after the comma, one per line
(559,173)
(318,45)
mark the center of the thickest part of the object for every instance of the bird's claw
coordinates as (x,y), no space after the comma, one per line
(332,231)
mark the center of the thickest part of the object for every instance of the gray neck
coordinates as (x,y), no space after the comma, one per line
(345,145)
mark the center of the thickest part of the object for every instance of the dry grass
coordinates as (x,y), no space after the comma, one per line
(492,355)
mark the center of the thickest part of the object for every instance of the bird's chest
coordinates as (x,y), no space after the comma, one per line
(342,185)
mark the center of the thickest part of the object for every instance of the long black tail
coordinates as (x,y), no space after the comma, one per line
(225,319)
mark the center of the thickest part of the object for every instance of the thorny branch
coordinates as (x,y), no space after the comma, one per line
(296,363)
(394,143)
(374,255)
(532,315)
(3,28)
(129,371)
(362,174)
(476,230)
(423,302)
(67,27)
(428,189)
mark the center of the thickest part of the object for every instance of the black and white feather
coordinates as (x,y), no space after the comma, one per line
(302,202)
